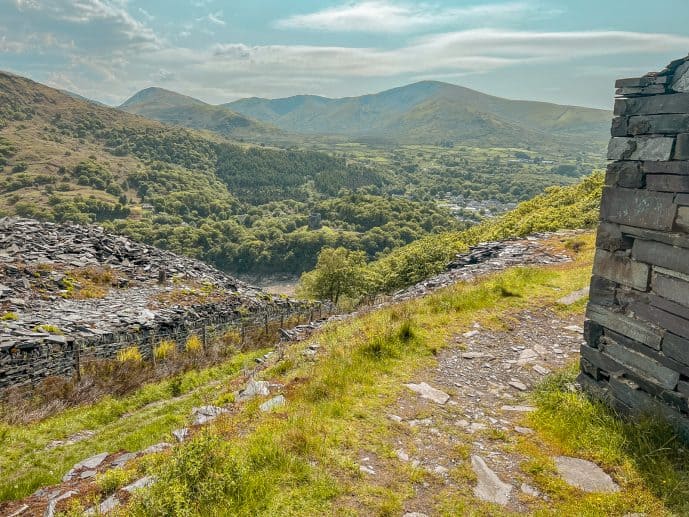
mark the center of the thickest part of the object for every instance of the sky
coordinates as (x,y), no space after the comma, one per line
(563,51)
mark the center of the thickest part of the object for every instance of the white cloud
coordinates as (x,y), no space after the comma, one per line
(386,16)
(214,18)
(473,50)
(89,26)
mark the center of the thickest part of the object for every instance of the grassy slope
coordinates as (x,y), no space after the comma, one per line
(302,458)
(152,413)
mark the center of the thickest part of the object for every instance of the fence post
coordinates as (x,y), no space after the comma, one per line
(77,359)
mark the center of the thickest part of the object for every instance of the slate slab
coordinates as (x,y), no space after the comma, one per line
(641,148)
(489,487)
(429,392)
(585,475)
(641,208)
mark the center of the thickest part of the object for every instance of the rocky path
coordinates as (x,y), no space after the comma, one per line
(474,402)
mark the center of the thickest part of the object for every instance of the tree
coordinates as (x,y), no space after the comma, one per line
(338,272)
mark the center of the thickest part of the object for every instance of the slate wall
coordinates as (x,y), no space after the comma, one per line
(62,355)
(636,354)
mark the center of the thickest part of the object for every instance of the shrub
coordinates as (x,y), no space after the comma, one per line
(193,344)
(50,329)
(165,349)
(111,480)
(231,338)
(10,316)
(131,353)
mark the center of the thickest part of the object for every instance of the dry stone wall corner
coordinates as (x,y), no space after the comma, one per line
(636,354)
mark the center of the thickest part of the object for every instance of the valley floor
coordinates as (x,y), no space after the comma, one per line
(459,402)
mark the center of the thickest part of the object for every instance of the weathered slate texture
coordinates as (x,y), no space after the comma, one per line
(636,354)
(654,149)
(640,208)
(621,269)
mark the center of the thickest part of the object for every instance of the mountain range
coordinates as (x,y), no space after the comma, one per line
(427,112)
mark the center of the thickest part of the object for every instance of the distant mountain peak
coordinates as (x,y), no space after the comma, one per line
(159,95)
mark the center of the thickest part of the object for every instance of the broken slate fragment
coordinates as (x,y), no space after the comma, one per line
(143,482)
(428,392)
(584,475)
(87,464)
(253,389)
(489,486)
(181,434)
(204,414)
(272,403)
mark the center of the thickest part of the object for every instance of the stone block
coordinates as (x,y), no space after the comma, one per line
(590,369)
(645,148)
(653,89)
(610,238)
(673,167)
(602,362)
(670,306)
(663,319)
(626,326)
(682,147)
(671,288)
(621,269)
(657,105)
(619,126)
(602,291)
(592,333)
(656,124)
(667,183)
(611,178)
(682,199)
(670,238)
(656,355)
(641,364)
(641,82)
(660,254)
(626,174)
(640,208)
(676,348)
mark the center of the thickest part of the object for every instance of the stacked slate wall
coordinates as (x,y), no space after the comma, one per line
(636,354)
(62,355)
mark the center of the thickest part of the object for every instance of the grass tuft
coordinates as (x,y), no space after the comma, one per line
(646,452)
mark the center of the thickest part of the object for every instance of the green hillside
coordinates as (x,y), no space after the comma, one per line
(430,112)
(570,207)
(245,209)
(180,110)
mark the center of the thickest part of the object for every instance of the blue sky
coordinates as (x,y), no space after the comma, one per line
(565,51)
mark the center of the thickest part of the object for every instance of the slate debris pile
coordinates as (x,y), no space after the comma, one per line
(41,327)
(637,331)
